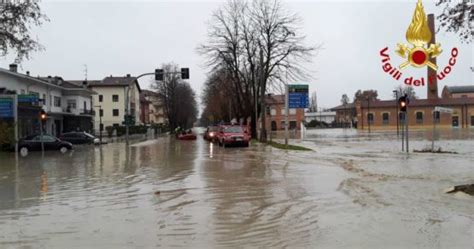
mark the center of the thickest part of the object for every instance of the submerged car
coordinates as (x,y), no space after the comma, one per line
(211,133)
(79,137)
(232,135)
(33,143)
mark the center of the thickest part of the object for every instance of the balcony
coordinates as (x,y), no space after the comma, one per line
(87,112)
(79,111)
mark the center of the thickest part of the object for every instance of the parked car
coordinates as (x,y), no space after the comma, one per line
(79,137)
(33,143)
(232,135)
(211,133)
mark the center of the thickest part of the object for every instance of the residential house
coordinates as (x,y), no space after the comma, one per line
(110,101)
(155,110)
(68,105)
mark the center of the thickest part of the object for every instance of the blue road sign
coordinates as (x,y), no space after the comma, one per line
(6,108)
(27,98)
(298,96)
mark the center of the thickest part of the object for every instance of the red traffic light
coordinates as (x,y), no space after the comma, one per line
(402,103)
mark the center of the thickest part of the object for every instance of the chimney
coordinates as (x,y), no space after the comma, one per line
(27,73)
(14,68)
(84,84)
(128,75)
(432,92)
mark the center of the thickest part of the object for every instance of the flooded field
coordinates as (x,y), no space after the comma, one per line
(353,191)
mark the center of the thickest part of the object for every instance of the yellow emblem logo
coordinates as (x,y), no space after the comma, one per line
(419,36)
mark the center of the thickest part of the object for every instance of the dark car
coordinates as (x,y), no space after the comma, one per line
(33,143)
(79,137)
(232,135)
(211,133)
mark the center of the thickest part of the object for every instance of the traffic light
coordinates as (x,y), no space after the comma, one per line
(43,116)
(184,73)
(159,74)
(402,103)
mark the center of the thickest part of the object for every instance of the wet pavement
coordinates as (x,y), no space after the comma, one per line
(353,191)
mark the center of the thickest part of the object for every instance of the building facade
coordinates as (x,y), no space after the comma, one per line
(156,112)
(110,100)
(68,105)
(275,118)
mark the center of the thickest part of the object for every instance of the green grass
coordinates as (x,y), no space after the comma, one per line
(288,147)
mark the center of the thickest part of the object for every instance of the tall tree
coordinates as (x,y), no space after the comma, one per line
(458,17)
(402,90)
(258,44)
(313,102)
(16,20)
(178,98)
(344,99)
(366,95)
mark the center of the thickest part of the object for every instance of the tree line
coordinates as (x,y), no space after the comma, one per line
(253,48)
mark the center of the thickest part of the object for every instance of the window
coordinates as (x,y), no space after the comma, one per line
(292,125)
(385,118)
(115,125)
(101,98)
(115,112)
(436,117)
(401,116)
(419,117)
(34,93)
(50,100)
(370,118)
(71,104)
(273,112)
(282,111)
(101,112)
(22,91)
(472,120)
(57,101)
(115,98)
(455,121)
(292,111)
(44,99)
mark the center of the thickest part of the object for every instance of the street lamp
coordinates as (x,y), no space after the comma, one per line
(100,123)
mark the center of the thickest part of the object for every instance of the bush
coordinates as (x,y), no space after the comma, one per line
(110,130)
(316,123)
(7,135)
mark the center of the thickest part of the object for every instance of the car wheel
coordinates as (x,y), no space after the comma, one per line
(63,149)
(24,151)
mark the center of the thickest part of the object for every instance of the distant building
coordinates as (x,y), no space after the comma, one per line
(156,113)
(110,100)
(275,118)
(327,117)
(458,92)
(68,105)
(345,114)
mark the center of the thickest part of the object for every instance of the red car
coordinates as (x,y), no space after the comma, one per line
(211,133)
(232,135)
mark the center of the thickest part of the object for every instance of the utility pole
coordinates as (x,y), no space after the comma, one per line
(368,112)
(100,123)
(397,116)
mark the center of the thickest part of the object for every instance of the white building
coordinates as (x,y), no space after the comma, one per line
(110,101)
(325,116)
(68,105)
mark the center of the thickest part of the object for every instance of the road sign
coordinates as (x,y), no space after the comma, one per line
(443,109)
(6,108)
(298,96)
(27,98)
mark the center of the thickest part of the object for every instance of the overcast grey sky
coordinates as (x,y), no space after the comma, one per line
(120,37)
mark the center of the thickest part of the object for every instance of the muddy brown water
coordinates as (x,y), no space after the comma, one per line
(338,196)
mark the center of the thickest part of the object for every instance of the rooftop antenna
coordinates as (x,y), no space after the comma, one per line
(85,72)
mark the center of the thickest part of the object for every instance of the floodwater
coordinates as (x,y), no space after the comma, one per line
(353,191)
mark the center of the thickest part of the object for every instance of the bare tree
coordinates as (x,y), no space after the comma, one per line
(345,99)
(313,102)
(258,44)
(178,98)
(366,95)
(402,90)
(458,17)
(16,20)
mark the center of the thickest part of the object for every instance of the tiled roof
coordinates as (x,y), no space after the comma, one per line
(420,102)
(275,99)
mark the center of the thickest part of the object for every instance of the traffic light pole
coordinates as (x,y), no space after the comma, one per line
(127,97)
(406,129)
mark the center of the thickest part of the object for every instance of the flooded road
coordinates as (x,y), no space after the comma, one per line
(353,191)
